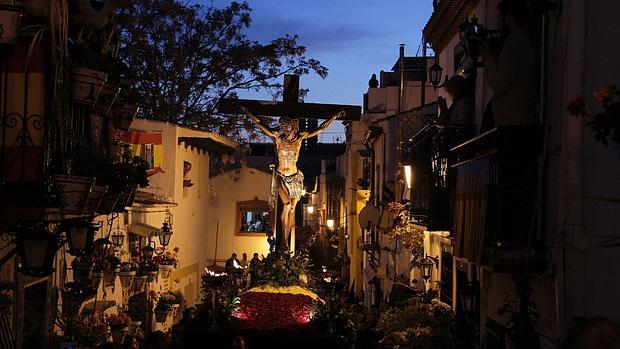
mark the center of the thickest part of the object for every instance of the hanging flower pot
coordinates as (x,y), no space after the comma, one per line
(75,293)
(109,276)
(126,277)
(10,19)
(118,334)
(87,84)
(124,115)
(108,202)
(161,315)
(82,270)
(139,282)
(94,199)
(151,275)
(73,192)
(164,270)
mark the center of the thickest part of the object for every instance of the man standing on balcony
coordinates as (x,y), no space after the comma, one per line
(511,74)
(288,179)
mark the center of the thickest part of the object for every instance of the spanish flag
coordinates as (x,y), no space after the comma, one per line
(147,145)
(22,101)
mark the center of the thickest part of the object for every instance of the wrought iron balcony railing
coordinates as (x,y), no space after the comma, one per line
(495,194)
(428,152)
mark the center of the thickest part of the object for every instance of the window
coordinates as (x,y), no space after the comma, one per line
(253,217)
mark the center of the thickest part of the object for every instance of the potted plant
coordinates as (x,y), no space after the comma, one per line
(88,330)
(110,266)
(74,293)
(139,280)
(73,193)
(119,326)
(82,268)
(127,273)
(87,75)
(88,163)
(10,19)
(122,177)
(125,109)
(165,304)
(150,270)
(166,263)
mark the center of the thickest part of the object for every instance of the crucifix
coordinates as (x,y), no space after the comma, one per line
(287,179)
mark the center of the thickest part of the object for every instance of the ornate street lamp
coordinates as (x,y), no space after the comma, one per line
(80,235)
(426,266)
(37,248)
(118,238)
(165,234)
(435,73)
(102,247)
(467,297)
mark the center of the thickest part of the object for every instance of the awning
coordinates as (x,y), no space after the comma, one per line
(143,230)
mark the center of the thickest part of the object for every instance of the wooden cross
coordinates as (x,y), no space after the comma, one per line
(290,106)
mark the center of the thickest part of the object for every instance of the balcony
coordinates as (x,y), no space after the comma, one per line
(428,152)
(495,186)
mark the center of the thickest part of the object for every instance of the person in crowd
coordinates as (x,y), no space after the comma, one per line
(592,333)
(231,262)
(461,111)
(253,269)
(238,343)
(244,260)
(187,324)
(511,72)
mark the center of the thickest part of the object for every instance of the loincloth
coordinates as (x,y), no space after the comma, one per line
(294,184)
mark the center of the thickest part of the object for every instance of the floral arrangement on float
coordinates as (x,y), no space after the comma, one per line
(281,299)
(605,124)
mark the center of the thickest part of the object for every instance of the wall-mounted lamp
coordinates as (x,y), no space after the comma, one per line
(310,209)
(330,223)
(435,73)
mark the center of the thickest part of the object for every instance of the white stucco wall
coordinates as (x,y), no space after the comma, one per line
(224,191)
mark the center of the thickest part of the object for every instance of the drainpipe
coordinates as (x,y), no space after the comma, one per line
(572,156)
(401,60)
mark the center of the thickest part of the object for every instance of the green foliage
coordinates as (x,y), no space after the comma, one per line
(283,270)
(184,58)
(417,326)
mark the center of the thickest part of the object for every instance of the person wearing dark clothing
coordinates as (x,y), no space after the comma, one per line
(254,264)
(461,111)
(231,263)
(373,82)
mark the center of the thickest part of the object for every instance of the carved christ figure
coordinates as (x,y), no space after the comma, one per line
(289,180)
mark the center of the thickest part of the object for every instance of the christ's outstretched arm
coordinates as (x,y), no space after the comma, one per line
(325,124)
(266,130)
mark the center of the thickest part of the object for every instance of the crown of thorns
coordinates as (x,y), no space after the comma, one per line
(293,123)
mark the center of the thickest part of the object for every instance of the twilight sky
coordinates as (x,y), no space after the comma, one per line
(353,39)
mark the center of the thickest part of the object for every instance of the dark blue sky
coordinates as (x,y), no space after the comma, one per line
(354,39)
